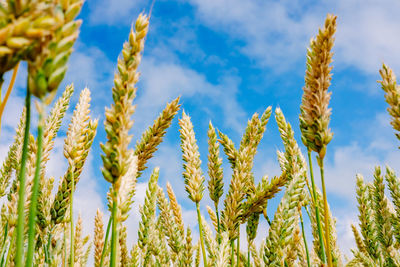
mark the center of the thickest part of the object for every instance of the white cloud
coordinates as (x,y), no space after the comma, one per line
(276,34)
(113,12)
(161,82)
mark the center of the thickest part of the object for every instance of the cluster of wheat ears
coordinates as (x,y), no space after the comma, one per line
(37,227)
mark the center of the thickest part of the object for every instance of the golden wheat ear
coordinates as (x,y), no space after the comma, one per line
(392,96)
(315,114)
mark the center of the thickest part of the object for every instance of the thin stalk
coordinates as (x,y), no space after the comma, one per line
(9,250)
(201,234)
(35,192)
(71,220)
(9,89)
(304,239)
(232,252)
(238,249)
(326,217)
(21,191)
(46,250)
(1,82)
(114,233)
(65,247)
(4,244)
(218,224)
(103,253)
(314,195)
(248,254)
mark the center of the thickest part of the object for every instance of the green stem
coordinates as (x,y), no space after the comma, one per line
(248,254)
(238,249)
(103,253)
(304,239)
(71,220)
(4,244)
(35,192)
(218,224)
(9,250)
(47,250)
(201,235)
(314,194)
(326,217)
(114,233)
(65,246)
(21,191)
(232,252)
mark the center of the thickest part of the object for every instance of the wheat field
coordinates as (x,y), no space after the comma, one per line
(39,227)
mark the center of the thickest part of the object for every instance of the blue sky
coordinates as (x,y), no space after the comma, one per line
(228,59)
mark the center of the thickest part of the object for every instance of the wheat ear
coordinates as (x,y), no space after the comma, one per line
(392,95)
(153,136)
(215,171)
(118,120)
(194,179)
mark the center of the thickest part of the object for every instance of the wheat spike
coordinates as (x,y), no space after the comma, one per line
(118,117)
(231,215)
(210,242)
(394,188)
(215,172)
(366,217)
(79,139)
(148,213)
(48,69)
(25,29)
(124,257)
(153,136)
(169,226)
(135,256)
(382,216)
(175,207)
(53,123)
(392,96)
(194,179)
(11,161)
(187,255)
(78,242)
(213,217)
(284,222)
(315,114)
(127,189)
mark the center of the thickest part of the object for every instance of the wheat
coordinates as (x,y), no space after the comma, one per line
(98,237)
(79,139)
(153,136)
(148,214)
(117,156)
(215,171)
(315,115)
(11,161)
(169,226)
(392,95)
(394,188)
(187,255)
(176,209)
(194,178)
(383,217)
(47,70)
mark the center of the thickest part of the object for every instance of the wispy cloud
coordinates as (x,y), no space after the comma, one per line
(113,12)
(276,34)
